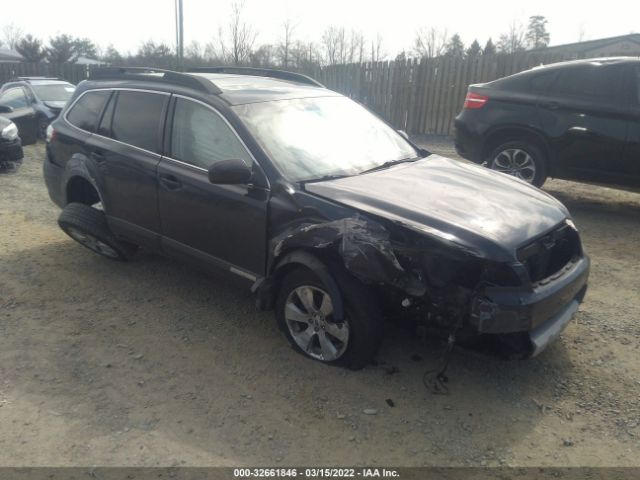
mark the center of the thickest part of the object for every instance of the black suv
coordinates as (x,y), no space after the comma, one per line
(578,120)
(335,218)
(35,102)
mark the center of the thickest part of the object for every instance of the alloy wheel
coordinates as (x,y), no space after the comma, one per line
(515,162)
(308,314)
(92,243)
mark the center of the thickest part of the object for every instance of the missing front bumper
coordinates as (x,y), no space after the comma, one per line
(537,316)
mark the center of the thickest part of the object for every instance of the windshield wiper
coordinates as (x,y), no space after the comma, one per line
(391,163)
(325,178)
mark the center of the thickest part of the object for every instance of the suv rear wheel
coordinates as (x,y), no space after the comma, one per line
(304,311)
(520,159)
(88,226)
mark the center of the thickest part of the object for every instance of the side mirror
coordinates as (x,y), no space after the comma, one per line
(6,109)
(404,134)
(230,172)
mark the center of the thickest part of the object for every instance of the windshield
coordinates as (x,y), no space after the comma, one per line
(312,138)
(55,92)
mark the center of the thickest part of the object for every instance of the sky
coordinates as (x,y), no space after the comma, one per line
(127,23)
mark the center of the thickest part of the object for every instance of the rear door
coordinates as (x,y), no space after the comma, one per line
(22,113)
(220,225)
(585,117)
(126,149)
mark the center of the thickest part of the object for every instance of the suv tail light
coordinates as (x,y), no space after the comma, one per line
(475,100)
(51,134)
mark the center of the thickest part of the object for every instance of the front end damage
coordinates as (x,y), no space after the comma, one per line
(443,284)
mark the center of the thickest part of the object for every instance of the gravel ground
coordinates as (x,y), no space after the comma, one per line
(152,363)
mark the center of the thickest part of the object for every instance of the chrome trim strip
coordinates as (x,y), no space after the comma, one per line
(243,273)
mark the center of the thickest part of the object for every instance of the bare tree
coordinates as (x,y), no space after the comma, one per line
(430,42)
(284,48)
(356,47)
(334,45)
(12,34)
(305,55)
(337,49)
(514,40)
(377,50)
(194,55)
(237,42)
(263,56)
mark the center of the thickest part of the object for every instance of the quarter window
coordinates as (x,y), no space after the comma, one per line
(84,114)
(15,98)
(201,137)
(137,119)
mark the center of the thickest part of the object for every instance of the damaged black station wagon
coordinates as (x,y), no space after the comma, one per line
(337,220)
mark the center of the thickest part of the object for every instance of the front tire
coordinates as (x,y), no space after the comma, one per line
(520,159)
(88,226)
(304,311)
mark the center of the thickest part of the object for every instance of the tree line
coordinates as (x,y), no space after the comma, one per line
(236,44)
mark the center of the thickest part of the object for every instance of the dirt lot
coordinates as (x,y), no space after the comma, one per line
(151,363)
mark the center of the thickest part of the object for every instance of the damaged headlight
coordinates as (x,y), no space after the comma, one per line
(10,132)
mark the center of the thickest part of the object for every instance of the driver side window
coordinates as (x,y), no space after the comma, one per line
(15,98)
(201,137)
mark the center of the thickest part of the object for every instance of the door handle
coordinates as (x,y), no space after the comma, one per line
(170,182)
(98,157)
(582,131)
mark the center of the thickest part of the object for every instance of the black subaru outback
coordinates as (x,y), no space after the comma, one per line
(336,219)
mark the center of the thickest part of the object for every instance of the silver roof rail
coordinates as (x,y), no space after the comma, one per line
(262,72)
(151,74)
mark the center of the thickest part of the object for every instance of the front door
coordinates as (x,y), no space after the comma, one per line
(222,225)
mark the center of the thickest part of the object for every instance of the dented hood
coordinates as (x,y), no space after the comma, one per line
(458,201)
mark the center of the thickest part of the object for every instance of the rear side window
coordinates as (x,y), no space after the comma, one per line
(84,114)
(201,137)
(541,82)
(137,119)
(590,81)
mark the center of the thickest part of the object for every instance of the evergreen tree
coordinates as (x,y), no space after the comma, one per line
(489,48)
(61,49)
(537,35)
(31,49)
(455,47)
(474,49)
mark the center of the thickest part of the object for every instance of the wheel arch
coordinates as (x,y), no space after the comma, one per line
(267,288)
(79,189)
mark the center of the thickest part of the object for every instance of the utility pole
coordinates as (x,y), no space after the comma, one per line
(179,34)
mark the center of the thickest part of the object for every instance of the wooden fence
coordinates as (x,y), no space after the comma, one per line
(423,96)
(419,96)
(69,71)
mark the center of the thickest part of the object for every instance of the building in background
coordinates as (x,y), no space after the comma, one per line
(10,56)
(623,45)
